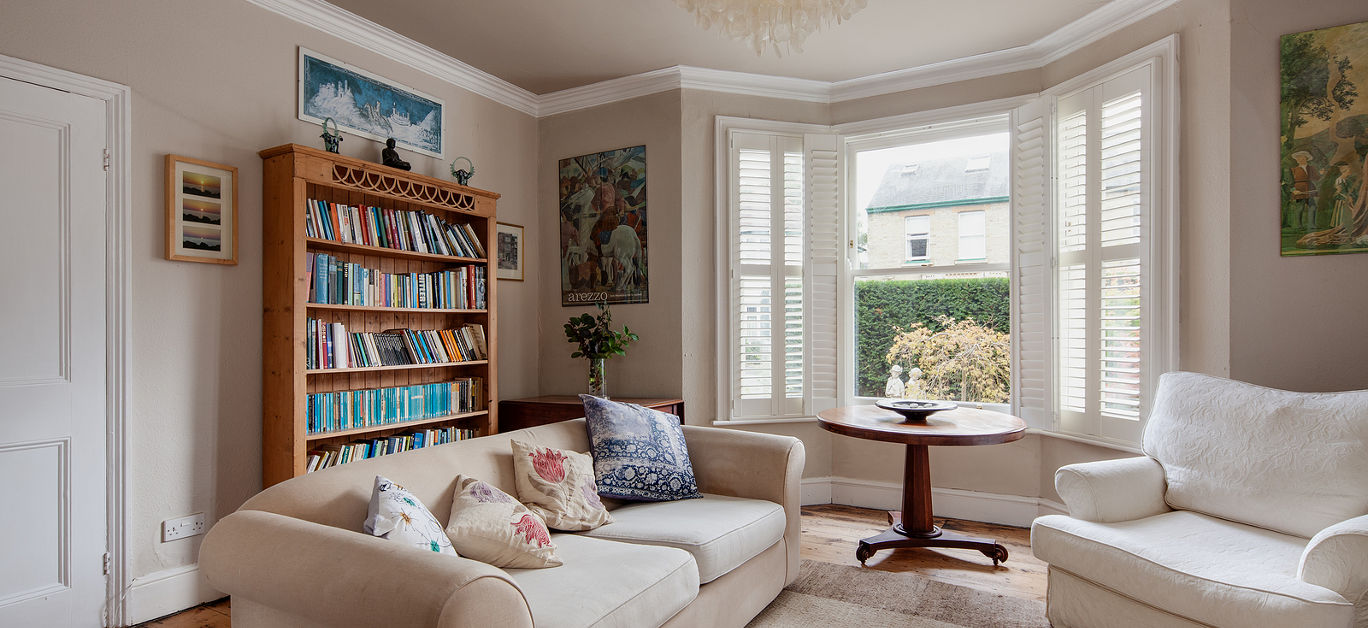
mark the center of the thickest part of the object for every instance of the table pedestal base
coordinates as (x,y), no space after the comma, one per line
(898,536)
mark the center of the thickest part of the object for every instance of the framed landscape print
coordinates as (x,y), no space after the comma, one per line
(364,104)
(1324,132)
(509,251)
(201,211)
(603,227)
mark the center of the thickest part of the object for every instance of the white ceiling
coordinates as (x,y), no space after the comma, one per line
(549,45)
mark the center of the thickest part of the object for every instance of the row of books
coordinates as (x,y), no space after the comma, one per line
(376,407)
(339,282)
(332,347)
(399,229)
(334,455)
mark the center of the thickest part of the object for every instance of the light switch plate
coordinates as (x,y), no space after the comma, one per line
(192,525)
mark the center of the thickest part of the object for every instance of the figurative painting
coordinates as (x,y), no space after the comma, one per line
(201,211)
(509,251)
(364,104)
(1324,120)
(603,227)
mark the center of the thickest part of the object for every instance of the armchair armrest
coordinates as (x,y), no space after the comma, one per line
(1334,559)
(342,578)
(1112,490)
(750,464)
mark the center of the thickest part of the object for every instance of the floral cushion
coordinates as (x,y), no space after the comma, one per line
(489,526)
(397,515)
(559,486)
(639,453)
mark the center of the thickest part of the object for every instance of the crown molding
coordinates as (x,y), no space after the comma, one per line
(355,29)
(1070,38)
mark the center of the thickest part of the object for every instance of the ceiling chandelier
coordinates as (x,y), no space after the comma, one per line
(776,24)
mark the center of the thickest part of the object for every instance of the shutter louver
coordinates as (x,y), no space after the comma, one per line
(825,252)
(1120,341)
(1032,388)
(1121,171)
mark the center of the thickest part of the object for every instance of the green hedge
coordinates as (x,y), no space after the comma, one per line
(881,307)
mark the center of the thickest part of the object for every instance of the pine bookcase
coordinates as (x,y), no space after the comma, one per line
(294,174)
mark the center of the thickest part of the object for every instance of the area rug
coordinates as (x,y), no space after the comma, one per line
(840,595)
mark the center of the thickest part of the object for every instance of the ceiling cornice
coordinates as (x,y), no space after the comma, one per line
(1073,36)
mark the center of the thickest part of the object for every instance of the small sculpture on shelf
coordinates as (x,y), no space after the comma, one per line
(894,388)
(463,176)
(390,157)
(331,140)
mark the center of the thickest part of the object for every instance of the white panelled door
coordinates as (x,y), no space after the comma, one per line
(52,358)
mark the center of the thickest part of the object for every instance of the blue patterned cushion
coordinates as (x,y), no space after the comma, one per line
(639,453)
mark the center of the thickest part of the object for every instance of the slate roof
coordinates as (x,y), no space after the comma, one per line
(941,181)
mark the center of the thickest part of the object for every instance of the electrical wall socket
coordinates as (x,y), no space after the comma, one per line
(192,525)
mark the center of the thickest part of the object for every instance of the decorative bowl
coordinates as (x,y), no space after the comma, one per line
(914,410)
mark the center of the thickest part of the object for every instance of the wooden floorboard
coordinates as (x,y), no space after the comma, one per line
(830,534)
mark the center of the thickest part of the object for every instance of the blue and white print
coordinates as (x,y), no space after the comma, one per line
(639,453)
(368,105)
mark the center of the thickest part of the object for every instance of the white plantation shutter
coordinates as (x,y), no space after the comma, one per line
(825,253)
(1032,388)
(1105,195)
(767,260)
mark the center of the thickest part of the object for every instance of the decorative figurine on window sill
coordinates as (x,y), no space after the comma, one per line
(463,176)
(331,140)
(390,157)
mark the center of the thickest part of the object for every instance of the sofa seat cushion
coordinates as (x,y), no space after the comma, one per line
(1206,569)
(721,532)
(606,583)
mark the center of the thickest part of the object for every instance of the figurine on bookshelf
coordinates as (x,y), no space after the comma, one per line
(331,140)
(390,157)
(463,176)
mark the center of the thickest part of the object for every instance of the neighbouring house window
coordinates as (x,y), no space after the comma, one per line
(973,235)
(918,230)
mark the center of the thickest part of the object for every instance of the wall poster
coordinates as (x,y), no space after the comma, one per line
(603,227)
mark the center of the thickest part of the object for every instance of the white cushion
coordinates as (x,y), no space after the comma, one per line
(490,526)
(1210,570)
(605,584)
(397,515)
(721,532)
(1286,461)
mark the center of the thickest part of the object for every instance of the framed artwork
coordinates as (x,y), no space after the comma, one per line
(364,104)
(603,227)
(509,251)
(201,211)
(1324,134)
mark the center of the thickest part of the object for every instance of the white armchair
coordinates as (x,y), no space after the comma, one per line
(1250,508)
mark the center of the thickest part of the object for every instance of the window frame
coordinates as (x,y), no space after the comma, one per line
(923,235)
(960,235)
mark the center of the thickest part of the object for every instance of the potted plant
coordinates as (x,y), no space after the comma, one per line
(598,342)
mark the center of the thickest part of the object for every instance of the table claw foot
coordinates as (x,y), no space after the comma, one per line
(997,552)
(863,552)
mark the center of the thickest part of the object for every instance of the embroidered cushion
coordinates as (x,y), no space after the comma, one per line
(489,526)
(397,515)
(558,485)
(639,453)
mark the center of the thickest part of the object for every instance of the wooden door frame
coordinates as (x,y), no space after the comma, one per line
(118,199)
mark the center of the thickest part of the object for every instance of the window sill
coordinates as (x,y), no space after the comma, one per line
(1096,441)
(773,421)
(917,262)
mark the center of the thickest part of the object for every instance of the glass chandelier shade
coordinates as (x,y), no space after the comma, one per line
(776,24)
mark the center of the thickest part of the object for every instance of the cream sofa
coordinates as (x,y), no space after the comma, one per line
(1250,508)
(294,555)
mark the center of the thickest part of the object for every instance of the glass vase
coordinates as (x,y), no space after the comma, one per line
(598,384)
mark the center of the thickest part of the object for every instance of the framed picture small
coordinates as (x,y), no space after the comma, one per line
(201,211)
(509,251)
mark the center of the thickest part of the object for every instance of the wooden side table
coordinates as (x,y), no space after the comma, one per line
(913,526)
(516,414)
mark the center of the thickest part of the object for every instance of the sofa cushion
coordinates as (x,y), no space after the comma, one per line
(1210,570)
(1286,461)
(490,526)
(397,515)
(558,485)
(639,453)
(606,584)
(721,532)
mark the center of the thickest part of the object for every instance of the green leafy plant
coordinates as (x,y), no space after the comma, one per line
(596,337)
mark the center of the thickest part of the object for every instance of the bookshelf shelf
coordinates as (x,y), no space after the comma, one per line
(298,178)
(379,308)
(397,367)
(380,251)
(391,426)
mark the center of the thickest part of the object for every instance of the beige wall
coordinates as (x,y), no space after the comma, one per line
(216,81)
(652,366)
(1294,322)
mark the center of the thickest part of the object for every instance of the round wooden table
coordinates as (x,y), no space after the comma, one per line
(963,426)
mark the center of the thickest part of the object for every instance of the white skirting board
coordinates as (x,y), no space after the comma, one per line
(167,591)
(1012,510)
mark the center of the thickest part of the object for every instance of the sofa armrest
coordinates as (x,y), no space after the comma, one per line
(754,465)
(1334,559)
(1112,490)
(342,578)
